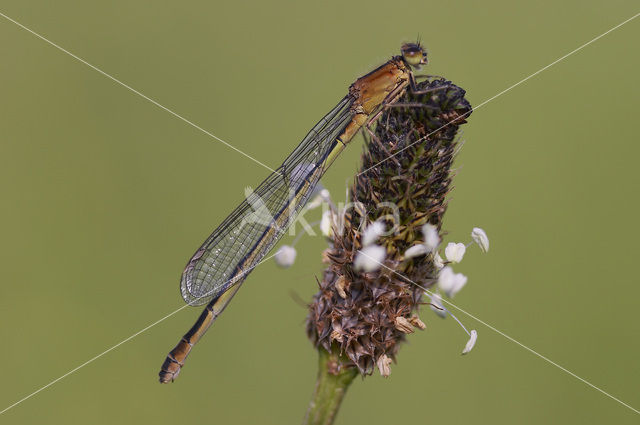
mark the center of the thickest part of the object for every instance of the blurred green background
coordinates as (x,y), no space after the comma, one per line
(105,197)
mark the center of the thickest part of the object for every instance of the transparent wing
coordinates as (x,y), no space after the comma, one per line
(251,230)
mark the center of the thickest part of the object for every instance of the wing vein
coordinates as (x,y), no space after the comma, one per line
(254,227)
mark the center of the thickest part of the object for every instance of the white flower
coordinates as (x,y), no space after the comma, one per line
(454,252)
(372,233)
(480,237)
(370,258)
(325,196)
(315,202)
(436,305)
(431,236)
(472,341)
(437,260)
(446,279)
(415,251)
(326,224)
(286,256)
(449,282)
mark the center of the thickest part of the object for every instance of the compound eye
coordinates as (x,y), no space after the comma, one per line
(413,57)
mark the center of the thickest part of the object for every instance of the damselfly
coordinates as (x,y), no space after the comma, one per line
(216,271)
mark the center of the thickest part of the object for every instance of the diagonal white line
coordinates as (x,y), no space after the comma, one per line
(531,350)
(92,359)
(508,89)
(121,342)
(109,76)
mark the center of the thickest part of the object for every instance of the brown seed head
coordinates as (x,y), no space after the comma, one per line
(366,316)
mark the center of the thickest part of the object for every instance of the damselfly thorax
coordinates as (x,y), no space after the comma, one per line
(216,271)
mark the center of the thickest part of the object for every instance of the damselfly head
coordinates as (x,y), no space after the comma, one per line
(414,54)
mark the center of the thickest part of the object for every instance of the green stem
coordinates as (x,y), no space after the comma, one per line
(334,377)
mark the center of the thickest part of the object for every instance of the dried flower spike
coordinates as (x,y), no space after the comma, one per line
(403,184)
